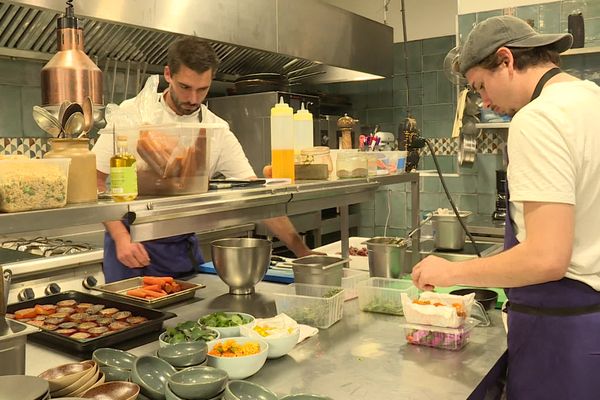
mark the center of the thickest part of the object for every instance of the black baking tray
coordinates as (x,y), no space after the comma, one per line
(52,339)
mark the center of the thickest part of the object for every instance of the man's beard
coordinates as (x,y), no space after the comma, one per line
(188,110)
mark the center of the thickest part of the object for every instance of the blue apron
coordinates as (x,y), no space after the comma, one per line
(175,256)
(553,335)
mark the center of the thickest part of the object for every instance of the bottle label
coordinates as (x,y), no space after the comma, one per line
(123,180)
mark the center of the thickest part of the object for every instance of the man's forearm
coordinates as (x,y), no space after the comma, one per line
(117,231)
(283,228)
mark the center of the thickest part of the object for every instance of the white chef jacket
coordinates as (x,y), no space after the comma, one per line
(226,154)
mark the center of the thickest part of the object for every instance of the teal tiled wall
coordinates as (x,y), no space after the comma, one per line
(431,100)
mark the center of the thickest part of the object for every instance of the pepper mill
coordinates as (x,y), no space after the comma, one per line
(345,124)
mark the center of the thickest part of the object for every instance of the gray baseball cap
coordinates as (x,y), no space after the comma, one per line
(493,33)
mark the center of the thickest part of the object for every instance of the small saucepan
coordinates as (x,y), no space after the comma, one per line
(486,297)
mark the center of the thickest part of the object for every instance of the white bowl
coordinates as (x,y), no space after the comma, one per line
(229,331)
(278,346)
(243,366)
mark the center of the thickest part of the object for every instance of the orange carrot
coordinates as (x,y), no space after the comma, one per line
(152,294)
(137,293)
(157,280)
(154,288)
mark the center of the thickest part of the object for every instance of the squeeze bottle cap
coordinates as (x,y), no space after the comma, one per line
(282,109)
(303,114)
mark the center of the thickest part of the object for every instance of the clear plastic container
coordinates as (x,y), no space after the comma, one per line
(384,295)
(350,282)
(438,337)
(33,184)
(351,164)
(172,159)
(314,305)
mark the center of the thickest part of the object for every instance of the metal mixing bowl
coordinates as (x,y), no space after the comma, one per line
(241,262)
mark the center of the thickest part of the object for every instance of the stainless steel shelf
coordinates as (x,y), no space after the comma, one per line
(492,125)
(582,50)
(152,218)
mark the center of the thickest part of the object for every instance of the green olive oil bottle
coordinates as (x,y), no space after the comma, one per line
(123,174)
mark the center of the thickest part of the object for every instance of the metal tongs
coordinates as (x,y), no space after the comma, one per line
(403,241)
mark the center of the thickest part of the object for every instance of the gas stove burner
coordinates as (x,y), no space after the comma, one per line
(45,247)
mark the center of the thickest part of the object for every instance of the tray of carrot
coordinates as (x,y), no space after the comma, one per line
(151,291)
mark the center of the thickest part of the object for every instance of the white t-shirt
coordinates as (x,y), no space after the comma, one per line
(226,154)
(554,157)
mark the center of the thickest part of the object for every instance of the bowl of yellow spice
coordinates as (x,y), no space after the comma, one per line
(280,332)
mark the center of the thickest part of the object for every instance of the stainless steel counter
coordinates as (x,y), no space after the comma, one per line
(361,357)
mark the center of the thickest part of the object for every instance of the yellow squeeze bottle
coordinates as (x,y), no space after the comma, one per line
(123,174)
(282,140)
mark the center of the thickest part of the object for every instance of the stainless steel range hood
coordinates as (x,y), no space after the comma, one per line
(309,37)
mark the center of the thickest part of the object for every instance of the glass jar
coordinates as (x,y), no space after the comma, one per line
(316,155)
(351,164)
(81,184)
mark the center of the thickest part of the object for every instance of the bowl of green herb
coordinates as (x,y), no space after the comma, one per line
(227,323)
(189,331)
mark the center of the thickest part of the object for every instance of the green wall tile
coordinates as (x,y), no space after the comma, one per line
(430,85)
(439,45)
(438,112)
(380,115)
(461,184)
(30,96)
(466,23)
(414,57)
(366,231)
(430,184)
(592,31)
(10,112)
(549,18)
(445,89)
(466,202)
(434,62)
(487,203)
(530,14)
(482,16)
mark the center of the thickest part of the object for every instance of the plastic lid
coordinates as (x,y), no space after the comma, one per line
(303,114)
(282,109)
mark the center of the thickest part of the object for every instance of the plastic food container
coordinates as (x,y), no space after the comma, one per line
(351,164)
(172,159)
(438,337)
(314,305)
(384,295)
(350,282)
(33,184)
(392,161)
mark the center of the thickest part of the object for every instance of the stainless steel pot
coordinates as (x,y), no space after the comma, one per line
(319,270)
(448,233)
(387,257)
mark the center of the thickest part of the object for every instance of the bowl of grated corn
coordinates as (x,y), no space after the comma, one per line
(240,356)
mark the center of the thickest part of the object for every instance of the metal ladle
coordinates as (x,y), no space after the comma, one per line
(46,121)
(74,125)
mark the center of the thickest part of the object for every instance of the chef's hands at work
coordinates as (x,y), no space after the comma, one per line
(131,254)
(433,271)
